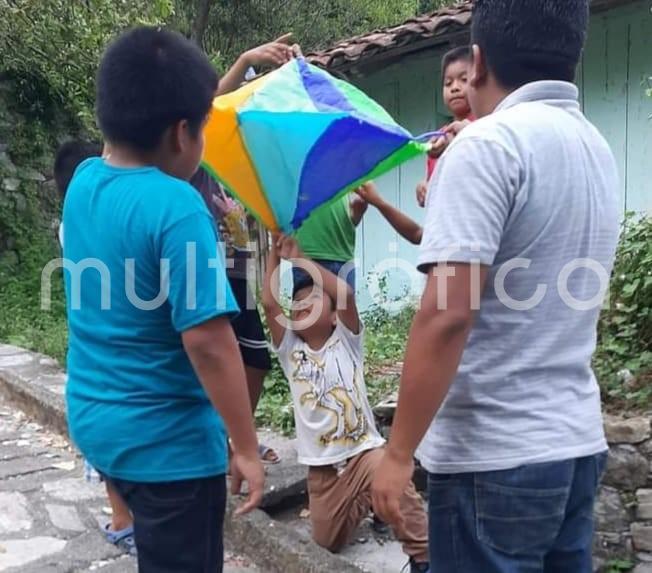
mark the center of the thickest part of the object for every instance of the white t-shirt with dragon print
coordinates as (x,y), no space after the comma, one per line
(334,421)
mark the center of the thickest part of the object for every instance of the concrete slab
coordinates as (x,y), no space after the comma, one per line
(369,551)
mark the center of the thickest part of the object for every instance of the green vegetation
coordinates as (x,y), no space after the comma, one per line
(619,566)
(623,361)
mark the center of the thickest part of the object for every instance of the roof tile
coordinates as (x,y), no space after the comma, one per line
(353,50)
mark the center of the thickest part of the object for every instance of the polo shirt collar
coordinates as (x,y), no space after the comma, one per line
(553,92)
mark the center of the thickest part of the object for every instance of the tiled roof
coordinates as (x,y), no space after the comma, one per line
(353,51)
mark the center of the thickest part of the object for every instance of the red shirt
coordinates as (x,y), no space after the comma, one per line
(431,162)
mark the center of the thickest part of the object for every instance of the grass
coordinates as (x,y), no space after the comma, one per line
(23,322)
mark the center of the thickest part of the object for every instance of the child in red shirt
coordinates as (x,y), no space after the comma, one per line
(455,70)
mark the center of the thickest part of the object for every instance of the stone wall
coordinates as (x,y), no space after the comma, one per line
(624,507)
(28,196)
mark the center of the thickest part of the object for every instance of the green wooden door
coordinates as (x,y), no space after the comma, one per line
(613,79)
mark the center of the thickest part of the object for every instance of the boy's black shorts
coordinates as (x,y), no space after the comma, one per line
(177,525)
(249,328)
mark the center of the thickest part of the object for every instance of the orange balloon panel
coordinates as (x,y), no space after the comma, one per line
(226,154)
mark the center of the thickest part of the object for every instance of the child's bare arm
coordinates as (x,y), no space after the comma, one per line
(273,54)
(337,289)
(224,381)
(404,226)
(271,293)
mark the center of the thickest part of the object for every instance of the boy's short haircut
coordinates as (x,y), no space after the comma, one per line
(68,158)
(459,54)
(149,79)
(530,40)
(303,283)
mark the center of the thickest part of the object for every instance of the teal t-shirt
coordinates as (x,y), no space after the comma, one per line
(142,266)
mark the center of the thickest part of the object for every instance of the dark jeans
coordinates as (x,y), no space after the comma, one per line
(177,525)
(336,267)
(532,519)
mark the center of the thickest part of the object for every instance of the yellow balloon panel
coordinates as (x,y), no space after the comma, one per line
(225,153)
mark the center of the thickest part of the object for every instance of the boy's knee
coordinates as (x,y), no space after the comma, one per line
(327,538)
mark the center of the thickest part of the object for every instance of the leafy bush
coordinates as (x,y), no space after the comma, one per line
(623,360)
(52,48)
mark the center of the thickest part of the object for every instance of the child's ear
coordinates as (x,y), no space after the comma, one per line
(181,135)
(478,74)
(177,134)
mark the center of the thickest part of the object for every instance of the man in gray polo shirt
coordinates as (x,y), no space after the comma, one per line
(519,240)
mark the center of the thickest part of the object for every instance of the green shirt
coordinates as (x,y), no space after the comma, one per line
(329,233)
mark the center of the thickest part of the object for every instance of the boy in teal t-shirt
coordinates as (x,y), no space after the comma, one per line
(152,356)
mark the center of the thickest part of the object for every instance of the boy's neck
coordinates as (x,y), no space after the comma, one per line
(316,341)
(125,157)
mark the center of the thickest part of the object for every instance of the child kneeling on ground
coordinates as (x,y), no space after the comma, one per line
(321,352)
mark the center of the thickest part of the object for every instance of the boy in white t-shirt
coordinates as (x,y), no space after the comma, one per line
(321,352)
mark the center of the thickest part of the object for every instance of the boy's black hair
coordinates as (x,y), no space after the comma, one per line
(69,156)
(461,53)
(305,281)
(149,79)
(530,40)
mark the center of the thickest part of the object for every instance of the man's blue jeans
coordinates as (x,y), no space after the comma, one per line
(532,519)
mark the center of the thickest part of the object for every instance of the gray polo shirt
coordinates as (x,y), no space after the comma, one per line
(531,192)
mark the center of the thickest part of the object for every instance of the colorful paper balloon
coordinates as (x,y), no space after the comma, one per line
(296,138)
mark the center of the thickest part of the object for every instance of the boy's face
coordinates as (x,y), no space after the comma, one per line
(456,79)
(312,312)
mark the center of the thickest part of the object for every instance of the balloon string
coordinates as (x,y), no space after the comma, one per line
(429,135)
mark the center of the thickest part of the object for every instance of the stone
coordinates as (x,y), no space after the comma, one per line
(6,165)
(21,203)
(14,512)
(646,448)
(643,568)
(626,468)
(644,506)
(30,174)
(15,360)
(10,184)
(647,557)
(65,517)
(610,513)
(19,552)
(73,489)
(642,536)
(626,430)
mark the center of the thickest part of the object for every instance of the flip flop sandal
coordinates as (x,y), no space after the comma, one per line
(263,453)
(123,539)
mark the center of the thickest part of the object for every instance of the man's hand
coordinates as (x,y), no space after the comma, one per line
(438,145)
(451,131)
(247,468)
(369,193)
(273,54)
(454,128)
(422,193)
(392,478)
